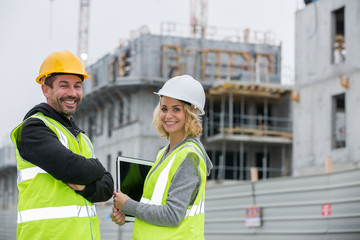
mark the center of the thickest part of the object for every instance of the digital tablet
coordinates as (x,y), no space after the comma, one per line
(130,177)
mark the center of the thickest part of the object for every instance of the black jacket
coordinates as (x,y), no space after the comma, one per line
(39,145)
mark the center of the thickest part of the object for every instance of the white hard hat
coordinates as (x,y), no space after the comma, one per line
(187,89)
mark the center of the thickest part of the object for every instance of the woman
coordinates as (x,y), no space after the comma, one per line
(172,205)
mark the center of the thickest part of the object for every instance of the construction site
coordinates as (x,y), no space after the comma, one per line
(285,154)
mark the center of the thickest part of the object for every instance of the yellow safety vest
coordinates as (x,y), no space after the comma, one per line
(156,188)
(48,208)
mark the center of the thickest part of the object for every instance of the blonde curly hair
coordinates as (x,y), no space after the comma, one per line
(193,122)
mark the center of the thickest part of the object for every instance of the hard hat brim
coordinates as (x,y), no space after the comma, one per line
(200,111)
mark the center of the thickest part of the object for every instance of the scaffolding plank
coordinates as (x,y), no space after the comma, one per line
(257,132)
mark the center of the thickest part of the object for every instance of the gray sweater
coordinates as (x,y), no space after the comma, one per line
(182,192)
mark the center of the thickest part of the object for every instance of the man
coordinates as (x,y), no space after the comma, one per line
(59,178)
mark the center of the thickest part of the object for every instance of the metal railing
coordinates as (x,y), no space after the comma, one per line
(220,123)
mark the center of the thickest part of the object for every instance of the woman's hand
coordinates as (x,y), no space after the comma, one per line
(117,217)
(120,199)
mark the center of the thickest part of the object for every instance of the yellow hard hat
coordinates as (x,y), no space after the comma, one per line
(61,62)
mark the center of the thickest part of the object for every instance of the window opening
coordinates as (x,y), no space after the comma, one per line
(339,49)
(110,120)
(109,163)
(339,122)
(94,79)
(91,127)
(262,163)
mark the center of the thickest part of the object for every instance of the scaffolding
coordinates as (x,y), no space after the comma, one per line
(247,122)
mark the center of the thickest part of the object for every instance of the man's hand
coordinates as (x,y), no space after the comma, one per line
(117,217)
(76,187)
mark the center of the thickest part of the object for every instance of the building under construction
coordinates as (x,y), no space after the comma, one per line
(250,114)
(248,111)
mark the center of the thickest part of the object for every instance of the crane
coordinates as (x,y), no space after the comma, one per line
(198,17)
(83,37)
(83,31)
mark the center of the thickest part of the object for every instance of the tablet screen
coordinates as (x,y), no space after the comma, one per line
(130,177)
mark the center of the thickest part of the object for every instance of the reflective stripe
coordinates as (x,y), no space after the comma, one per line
(55,212)
(89,144)
(160,152)
(194,148)
(161,182)
(28,173)
(195,209)
(61,135)
(144,200)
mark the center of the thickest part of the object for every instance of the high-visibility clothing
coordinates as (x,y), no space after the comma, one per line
(47,207)
(156,189)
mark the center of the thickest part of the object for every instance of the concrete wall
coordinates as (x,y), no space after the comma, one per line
(318,80)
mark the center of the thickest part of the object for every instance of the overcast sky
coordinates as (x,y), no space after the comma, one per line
(31,29)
